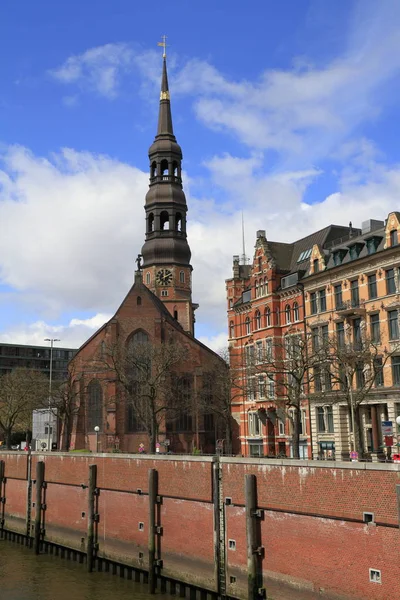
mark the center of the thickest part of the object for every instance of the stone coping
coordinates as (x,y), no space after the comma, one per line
(262,462)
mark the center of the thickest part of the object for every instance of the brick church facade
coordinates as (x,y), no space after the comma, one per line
(159,310)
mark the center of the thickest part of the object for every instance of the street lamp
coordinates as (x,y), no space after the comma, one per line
(51,340)
(97,429)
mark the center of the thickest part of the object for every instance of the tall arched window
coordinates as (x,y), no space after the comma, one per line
(164,168)
(178,222)
(288,314)
(139,301)
(182,277)
(231,329)
(139,337)
(267,317)
(296,316)
(247,325)
(148,278)
(150,223)
(265,286)
(94,406)
(153,172)
(256,289)
(257,319)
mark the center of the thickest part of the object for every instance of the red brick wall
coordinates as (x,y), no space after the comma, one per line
(312,532)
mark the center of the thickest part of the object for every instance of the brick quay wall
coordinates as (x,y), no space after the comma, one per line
(310,520)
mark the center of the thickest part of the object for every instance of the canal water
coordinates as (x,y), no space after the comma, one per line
(25,576)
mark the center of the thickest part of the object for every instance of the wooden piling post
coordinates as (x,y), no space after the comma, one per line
(254,548)
(2,495)
(38,504)
(153,492)
(91,517)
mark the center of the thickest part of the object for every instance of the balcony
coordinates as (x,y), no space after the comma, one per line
(351,308)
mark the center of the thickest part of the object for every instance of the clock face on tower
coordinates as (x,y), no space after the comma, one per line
(163,277)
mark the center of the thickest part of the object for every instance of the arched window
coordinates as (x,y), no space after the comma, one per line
(148,277)
(296,316)
(277,317)
(94,406)
(265,286)
(164,220)
(153,172)
(178,222)
(267,317)
(257,319)
(139,337)
(231,329)
(288,314)
(182,276)
(260,263)
(247,325)
(139,301)
(150,223)
(164,168)
(256,289)
(176,315)
(175,168)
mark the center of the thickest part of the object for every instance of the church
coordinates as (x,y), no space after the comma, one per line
(165,405)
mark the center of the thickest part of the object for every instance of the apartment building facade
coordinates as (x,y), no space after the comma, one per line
(352,293)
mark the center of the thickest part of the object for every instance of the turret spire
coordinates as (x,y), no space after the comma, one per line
(164,116)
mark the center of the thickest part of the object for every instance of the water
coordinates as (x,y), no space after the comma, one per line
(25,576)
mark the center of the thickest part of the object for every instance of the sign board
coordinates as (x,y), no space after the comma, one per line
(354,455)
(388,440)
(387,428)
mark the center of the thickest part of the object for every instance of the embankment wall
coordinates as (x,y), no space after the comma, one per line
(311,529)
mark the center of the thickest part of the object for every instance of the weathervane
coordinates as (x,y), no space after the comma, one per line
(163,44)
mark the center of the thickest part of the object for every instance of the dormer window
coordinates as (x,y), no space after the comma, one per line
(338,256)
(373,243)
(394,239)
(355,250)
(316,265)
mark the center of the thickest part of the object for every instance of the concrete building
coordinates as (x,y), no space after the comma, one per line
(45,429)
(35,357)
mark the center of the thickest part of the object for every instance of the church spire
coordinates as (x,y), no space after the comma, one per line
(164,116)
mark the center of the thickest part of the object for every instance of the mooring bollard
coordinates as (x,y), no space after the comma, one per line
(91,517)
(254,548)
(38,504)
(153,491)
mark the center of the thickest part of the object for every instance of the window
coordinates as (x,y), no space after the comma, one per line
(257,319)
(260,263)
(182,277)
(94,405)
(247,325)
(393,325)
(268,349)
(148,278)
(261,386)
(315,338)
(267,317)
(375,330)
(164,293)
(265,286)
(208,420)
(316,265)
(231,329)
(324,333)
(287,314)
(327,379)
(139,301)
(390,282)
(133,424)
(329,419)
(317,379)
(372,287)
(378,370)
(360,377)
(254,424)
(338,295)
(259,351)
(396,370)
(256,289)
(320,419)
(281,427)
(322,300)
(355,297)
(393,237)
(354,251)
(296,316)
(313,303)
(357,339)
(270,386)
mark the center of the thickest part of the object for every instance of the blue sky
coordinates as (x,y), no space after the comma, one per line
(286,110)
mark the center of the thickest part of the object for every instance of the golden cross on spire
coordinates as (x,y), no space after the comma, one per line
(164,45)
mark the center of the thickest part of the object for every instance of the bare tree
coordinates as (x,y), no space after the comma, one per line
(221,386)
(21,391)
(281,370)
(66,404)
(152,380)
(353,368)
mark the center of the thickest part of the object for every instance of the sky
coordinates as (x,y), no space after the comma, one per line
(286,111)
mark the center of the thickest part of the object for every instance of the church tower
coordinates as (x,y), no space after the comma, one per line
(166,253)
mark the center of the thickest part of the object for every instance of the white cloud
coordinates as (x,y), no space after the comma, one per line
(71,335)
(217,342)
